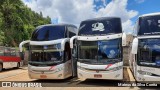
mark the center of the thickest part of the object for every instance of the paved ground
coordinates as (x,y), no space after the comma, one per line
(20,74)
(67,84)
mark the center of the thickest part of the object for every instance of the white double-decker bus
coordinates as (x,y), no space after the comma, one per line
(98,49)
(145,54)
(49,51)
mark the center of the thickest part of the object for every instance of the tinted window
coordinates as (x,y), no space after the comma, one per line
(109,49)
(7,52)
(71,34)
(71,31)
(149,52)
(46,55)
(49,33)
(88,50)
(101,26)
(149,25)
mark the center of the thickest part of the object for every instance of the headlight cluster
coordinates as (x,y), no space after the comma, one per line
(144,72)
(79,67)
(116,68)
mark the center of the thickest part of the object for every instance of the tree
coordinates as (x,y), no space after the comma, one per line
(17,22)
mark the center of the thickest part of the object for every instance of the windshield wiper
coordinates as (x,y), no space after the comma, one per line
(110,60)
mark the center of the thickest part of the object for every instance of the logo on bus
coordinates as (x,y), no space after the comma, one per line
(97,27)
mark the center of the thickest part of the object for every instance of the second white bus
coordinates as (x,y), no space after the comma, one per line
(145,54)
(98,49)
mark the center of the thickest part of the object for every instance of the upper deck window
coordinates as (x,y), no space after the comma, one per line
(102,26)
(149,25)
(49,33)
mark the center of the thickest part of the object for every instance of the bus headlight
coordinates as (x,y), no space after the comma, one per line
(116,68)
(59,75)
(144,72)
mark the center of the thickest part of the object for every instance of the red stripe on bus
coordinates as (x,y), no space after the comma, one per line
(108,66)
(51,67)
(10,58)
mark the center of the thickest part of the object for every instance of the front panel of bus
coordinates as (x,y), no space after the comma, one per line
(100,59)
(49,61)
(148,56)
(148,59)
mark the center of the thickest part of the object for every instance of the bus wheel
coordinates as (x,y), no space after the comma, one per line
(18,65)
(1,67)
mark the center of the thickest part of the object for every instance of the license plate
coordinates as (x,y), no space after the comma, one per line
(43,76)
(97,75)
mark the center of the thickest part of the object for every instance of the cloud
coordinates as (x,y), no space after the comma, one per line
(74,11)
(117,8)
(139,1)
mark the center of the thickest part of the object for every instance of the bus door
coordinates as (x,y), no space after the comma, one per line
(74,58)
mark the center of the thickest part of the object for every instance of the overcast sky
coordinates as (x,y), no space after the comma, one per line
(75,11)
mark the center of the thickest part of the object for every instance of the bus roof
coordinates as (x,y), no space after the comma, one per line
(101,18)
(150,14)
(61,24)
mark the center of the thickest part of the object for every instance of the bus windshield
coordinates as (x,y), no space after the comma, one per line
(45,55)
(149,25)
(107,51)
(149,52)
(88,50)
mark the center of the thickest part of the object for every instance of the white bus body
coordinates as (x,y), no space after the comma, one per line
(89,65)
(144,57)
(51,59)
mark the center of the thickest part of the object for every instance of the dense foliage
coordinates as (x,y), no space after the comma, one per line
(17,22)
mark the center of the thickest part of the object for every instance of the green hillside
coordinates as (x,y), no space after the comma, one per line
(17,22)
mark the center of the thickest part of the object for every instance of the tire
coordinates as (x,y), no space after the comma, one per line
(1,67)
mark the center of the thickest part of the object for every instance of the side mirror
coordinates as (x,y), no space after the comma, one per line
(21,49)
(134,46)
(124,39)
(22,43)
(71,41)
